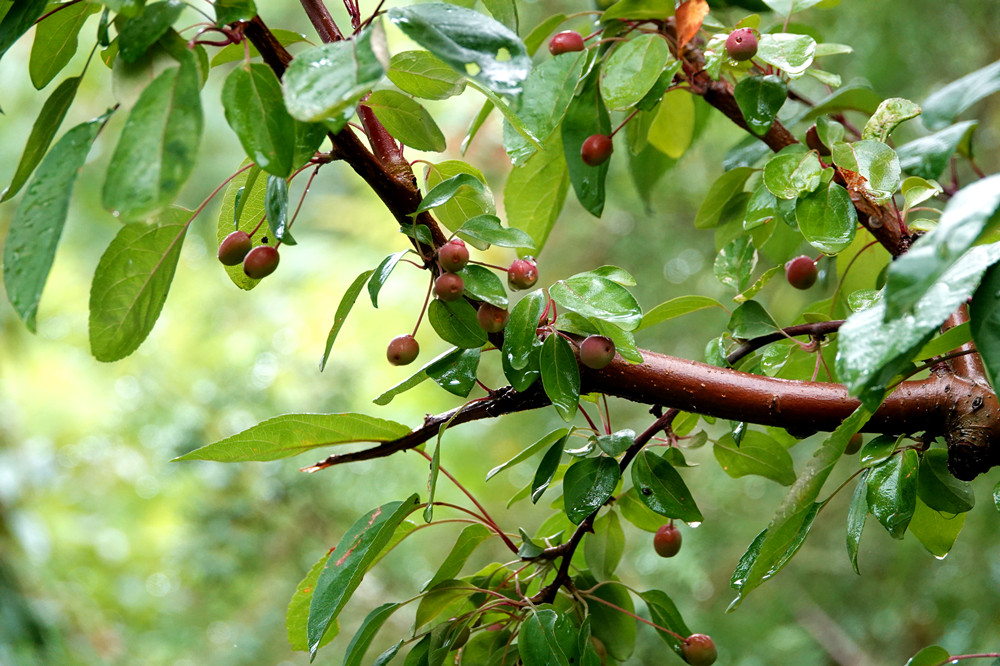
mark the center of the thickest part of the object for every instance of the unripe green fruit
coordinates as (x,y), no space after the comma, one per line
(402,350)
(596,149)
(596,351)
(854,445)
(453,255)
(815,143)
(260,262)
(234,248)
(449,287)
(491,318)
(667,540)
(522,274)
(741,44)
(699,650)
(566,41)
(801,272)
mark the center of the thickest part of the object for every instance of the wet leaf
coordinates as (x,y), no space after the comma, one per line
(407,120)
(936,531)
(598,297)
(141,31)
(760,98)
(892,492)
(632,69)
(756,454)
(662,489)
(560,375)
(827,218)
(455,322)
(875,161)
(788,52)
(677,307)
(938,489)
(587,485)
(587,115)
(456,372)
(422,74)
(856,515)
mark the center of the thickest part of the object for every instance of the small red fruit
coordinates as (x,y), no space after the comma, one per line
(699,650)
(453,255)
(234,248)
(449,287)
(741,44)
(402,350)
(522,274)
(491,318)
(854,444)
(596,351)
(596,149)
(565,42)
(667,540)
(260,262)
(801,272)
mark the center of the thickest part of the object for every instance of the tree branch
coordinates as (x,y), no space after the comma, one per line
(321,19)
(816,329)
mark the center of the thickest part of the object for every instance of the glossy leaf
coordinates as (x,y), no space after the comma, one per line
(276,205)
(18,20)
(483,284)
(876,450)
(616,443)
(603,548)
(672,129)
(548,440)
(948,341)
(413,380)
(519,336)
(243,208)
(382,273)
(677,307)
(546,471)
(406,120)
(728,185)
(587,115)
(932,655)
(663,612)
(141,31)
(936,531)
(131,283)
(158,147)
(230,11)
(422,74)
(343,309)
(588,484)
(892,492)
(37,225)
(756,454)
(455,322)
(56,42)
(251,98)
(560,375)
(452,564)
(348,563)
(789,52)
(914,274)
(594,296)
(362,639)
(938,489)
(547,637)
(786,7)
(876,162)
(890,114)
(735,263)
(917,190)
(639,9)
(760,98)
(467,202)
(856,95)
(632,69)
(456,372)
(793,174)
(446,190)
(446,599)
(943,106)
(984,315)
(323,83)
(297,614)
(488,229)
(751,320)
(856,515)
(827,218)
(463,38)
(662,489)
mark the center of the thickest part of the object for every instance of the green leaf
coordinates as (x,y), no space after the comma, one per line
(932,655)
(594,296)
(937,252)
(18,20)
(56,42)
(504,11)
(298,610)
(887,117)
(158,147)
(547,637)
(456,372)
(636,512)
(662,489)
(467,202)
(857,95)
(42,133)
(132,281)
(677,307)
(343,309)
(548,91)
(446,190)
(449,598)
(546,471)
(916,190)
(483,284)
(943,106)
(366,633)
(760,98)
(936,531)
(292,434)
(875,161)
(790,175)
(786,7)
(603,548)
(546,441)
(735,263)
(455,322)
(877,450)
(451,566)
(672,129)
(616,443)
(588,484)
(587,115)
(540,32)
(323,83)
(756,454)
(488,229)
(614,628)
(789,52)
(984,315)
(950,340)
(663,612)
(751,320)
(560,375)
(236,52)
(256,111)
(996,495)
(639,9)
(276,205)
(856,515)
(827,218)
(892,492)
(407,120)
(244,214)
(231,11)
(632,69)
(141,31)
(938,489)
(382,273)
(470,42)
(348,563)
(536,191)
(37,225)
(519,336)
(728,185)
(423,74)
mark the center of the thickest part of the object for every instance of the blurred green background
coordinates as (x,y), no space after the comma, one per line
(110,554)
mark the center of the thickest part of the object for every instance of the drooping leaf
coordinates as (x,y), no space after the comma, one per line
(407,120)
(141,31)
(856,515)
(520,335)
(892,492)
(158,147)
(760,98)
(588,484)
(536,191)
(455,322)
(348,563)
(382,273)
(243,209)
(756,454)
(632,69)
(676,307)
(452,564)
(362,639)
(292,434)
(728,185)
(673,126)
(18,20)
(37,225)
(938,489)
(932,655)
(587,115)
(131,283)
(252,100)
(56,42)
(603,548)
(231,11)
(936,531)
(343,309)
(614,628)
(663,612)
(422,74)
(943,106)
(560,375)
(297,614)
(662,489)
(877,450)
(276,205)
(827,218)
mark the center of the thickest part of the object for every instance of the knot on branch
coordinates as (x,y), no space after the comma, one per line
(973,433)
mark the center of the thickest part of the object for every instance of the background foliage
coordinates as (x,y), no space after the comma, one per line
(121,557)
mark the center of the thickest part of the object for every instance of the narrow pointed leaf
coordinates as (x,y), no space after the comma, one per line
(943,106)
(676,307)
(456,372)
(451,566)
(276,205)
(520,336)
(18,20)
(343,309)
(251,98)
(856,515)
(928,156)
(663,612)
(586,115)
(544,442)
(382,273)
(984,315)
(56,42)
(297,614)
(546,470)
(536,191)
(363,638)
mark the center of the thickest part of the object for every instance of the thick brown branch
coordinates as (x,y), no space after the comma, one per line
(968,366)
